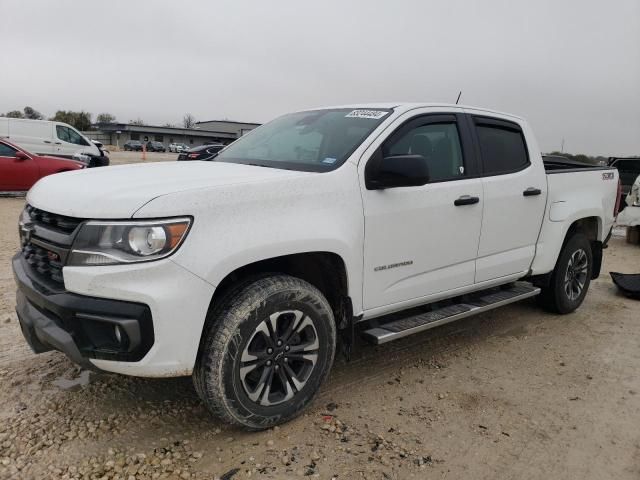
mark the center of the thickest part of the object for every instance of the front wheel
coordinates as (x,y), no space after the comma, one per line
(268,347)
(571,277)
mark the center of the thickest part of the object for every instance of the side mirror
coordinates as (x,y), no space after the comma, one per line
(397,171)
(21,156)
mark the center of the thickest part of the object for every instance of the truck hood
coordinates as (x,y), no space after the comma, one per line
(117,192)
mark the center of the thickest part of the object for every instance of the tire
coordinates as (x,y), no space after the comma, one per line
(243,374)
(571,277)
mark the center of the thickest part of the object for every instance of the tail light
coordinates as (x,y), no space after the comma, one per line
(193,155)
(616,209)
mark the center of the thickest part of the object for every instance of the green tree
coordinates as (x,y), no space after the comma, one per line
(14,114)
(105,118)
(80,120)
(32,114)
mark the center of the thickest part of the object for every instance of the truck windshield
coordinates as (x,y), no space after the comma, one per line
(313,141)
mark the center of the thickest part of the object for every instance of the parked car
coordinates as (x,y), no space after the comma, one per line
(20,169)
(249,271)
(156,147)
(204,152)
(43,137)
(133,146)
(178,147)
(629,170)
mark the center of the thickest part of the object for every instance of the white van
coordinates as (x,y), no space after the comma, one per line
(47,138)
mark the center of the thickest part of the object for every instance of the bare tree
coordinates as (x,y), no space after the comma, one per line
(188,121)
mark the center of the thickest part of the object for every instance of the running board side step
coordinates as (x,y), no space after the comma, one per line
(472,305)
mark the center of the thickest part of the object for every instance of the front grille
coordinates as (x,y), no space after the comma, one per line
(46,240)
(44,262)
(52,220)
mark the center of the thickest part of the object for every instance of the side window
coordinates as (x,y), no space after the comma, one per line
(70,136)
(7,151)
(63,133)
(503,149)
(439,143)
(76,138)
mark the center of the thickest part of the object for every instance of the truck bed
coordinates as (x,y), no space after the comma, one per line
(557,165)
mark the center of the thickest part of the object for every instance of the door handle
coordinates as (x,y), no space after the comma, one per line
(58,143)
(466,200)
(47,141)
(531,191)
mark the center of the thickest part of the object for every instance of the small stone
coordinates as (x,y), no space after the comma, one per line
(440,396)
(285,460)
(269,443)
(315,456)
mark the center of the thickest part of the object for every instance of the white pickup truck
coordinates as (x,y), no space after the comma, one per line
(249,271)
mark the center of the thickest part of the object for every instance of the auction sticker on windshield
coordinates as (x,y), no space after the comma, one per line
(373,114)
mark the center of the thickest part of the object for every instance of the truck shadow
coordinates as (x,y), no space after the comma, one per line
(172,403)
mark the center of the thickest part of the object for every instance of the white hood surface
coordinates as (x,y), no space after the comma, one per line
(117,192)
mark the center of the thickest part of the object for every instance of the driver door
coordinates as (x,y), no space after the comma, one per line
(421,242)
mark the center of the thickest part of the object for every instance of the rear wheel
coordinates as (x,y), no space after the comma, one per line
(571,277)
(267,349)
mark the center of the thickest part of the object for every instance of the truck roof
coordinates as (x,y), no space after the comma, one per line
(406,106)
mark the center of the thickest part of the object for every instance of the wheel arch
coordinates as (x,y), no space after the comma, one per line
(590,226)
(327,271)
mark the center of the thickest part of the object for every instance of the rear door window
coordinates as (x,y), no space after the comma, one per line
(502,146)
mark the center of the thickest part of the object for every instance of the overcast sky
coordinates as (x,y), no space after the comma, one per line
(571,67)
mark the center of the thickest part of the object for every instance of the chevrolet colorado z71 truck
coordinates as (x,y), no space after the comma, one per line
(248,271)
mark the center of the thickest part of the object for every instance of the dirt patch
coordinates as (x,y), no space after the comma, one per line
(514,393)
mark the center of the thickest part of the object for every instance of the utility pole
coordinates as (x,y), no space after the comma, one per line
(562,146)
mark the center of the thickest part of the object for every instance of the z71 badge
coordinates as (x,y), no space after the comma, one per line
(607,176)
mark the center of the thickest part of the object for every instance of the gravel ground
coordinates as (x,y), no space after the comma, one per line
(514,393)
(121,158)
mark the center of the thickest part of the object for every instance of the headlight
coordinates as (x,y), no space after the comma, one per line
(110,243)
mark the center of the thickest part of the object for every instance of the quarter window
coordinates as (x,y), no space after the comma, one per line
(439,143)
(503,149)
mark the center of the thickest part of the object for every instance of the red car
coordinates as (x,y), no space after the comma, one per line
(19,169)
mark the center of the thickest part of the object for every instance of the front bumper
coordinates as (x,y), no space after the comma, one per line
(80,326)
(174,300)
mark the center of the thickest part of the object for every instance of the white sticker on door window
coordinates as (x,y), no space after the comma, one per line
(373,114)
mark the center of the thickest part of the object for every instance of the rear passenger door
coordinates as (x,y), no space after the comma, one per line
(514,198)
